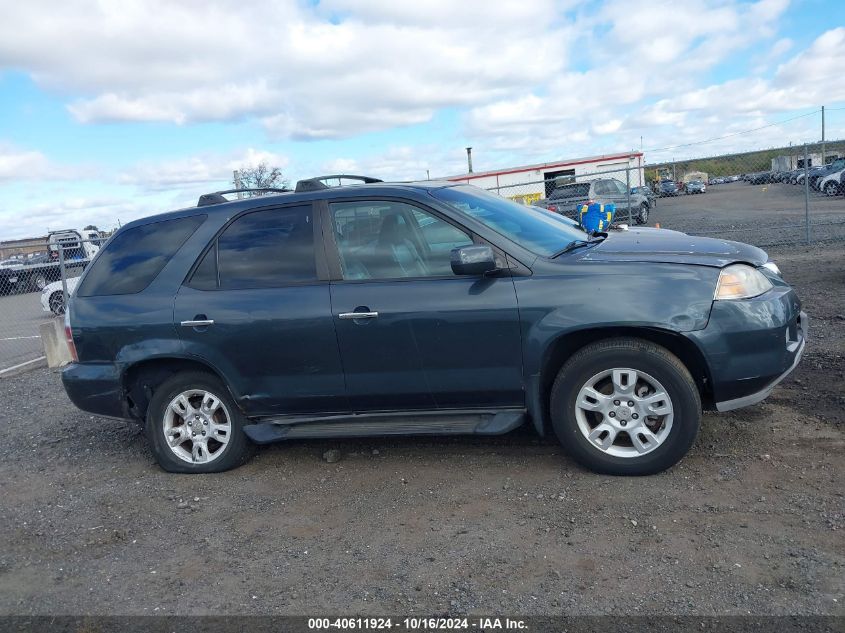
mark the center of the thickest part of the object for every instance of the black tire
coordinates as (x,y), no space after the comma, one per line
(57,303)
(831,189)
(38,282)
(236,451)
(643,356)
(642,216)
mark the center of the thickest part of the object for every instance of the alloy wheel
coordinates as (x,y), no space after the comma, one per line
(624,412)
(197,426)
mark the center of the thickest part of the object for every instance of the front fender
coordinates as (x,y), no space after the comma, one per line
(669,298)
(589,295)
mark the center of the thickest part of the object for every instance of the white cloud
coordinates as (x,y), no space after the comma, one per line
(37,217)
(379,65)
(196,173)
(18,164)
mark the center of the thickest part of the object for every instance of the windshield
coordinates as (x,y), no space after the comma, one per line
(571,191)
(537,232)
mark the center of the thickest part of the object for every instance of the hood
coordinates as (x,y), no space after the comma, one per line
(661,245)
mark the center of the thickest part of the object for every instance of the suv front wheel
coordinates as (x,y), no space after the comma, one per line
(625,407)
(194,426)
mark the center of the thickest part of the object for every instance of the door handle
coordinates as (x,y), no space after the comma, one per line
(357,315)
(197,323)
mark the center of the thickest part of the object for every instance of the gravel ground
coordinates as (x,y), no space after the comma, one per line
(758,214)
(750,522)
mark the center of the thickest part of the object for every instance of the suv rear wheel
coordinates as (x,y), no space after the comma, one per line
(625,407)
(194,426)
(642,217)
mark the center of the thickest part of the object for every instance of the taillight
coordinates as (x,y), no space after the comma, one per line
(551,208)
(69,339)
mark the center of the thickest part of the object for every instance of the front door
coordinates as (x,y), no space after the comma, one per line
(255,308)
(412,334)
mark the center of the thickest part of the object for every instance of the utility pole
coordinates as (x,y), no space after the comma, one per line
(237,182)
(822,136)
(469,160)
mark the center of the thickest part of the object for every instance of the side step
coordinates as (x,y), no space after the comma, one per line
(458,422)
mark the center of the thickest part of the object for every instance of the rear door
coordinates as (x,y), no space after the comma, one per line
(412,334)
(257,306)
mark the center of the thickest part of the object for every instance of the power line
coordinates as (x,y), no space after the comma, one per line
(719,138)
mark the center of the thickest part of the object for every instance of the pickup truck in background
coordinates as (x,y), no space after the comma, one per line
(78,245)
(566,199)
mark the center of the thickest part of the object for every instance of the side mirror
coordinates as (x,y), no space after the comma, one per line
(473,260)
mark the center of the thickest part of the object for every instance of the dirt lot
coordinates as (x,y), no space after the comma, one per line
(750,522)
(758,214)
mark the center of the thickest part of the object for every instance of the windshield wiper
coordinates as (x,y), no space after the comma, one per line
(579,243)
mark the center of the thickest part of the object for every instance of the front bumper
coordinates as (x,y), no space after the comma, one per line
(759,396)
(751,345)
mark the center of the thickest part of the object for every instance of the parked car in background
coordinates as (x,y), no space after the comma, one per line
(52,297)
(831,184)
(77,247)
(695,186)
(761,178)
(668,188)
(645,190)
(566,199)
(833,168)
(803,174)
(370,310)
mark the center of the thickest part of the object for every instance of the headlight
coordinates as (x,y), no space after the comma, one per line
(773,267)
(740,281)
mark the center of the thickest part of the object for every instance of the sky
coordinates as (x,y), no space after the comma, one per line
(112,110)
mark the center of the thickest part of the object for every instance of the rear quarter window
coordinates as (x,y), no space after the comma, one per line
(134,257)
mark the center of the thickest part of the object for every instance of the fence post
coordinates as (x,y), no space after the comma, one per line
(806,194)
(62,270)
(628,191)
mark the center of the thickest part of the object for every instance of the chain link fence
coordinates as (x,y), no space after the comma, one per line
(34,287)
(786,196)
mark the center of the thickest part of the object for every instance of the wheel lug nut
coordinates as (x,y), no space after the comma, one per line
(635,416)
(203,432)
(205,422)
(190,423)
(193,434)
(616,402)
(612,414)
(630,403)
(623,422)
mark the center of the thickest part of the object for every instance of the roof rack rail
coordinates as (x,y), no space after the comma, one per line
(316,184)
(217,197)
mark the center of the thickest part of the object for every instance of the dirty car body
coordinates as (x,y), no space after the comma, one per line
(465,313)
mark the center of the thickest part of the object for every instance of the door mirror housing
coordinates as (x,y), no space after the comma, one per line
(478,259)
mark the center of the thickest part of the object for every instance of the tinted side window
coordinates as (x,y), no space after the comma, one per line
(391,240)
(205,275)
(134,257)
(266,249)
